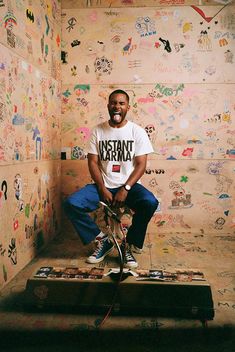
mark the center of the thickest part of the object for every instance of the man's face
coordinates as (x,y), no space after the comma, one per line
(118,106)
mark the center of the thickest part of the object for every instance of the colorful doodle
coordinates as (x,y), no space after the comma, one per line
(29,130)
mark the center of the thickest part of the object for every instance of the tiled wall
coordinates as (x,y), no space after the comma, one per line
(30,124)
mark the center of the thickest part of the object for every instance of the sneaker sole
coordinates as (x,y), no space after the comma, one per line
(94,261)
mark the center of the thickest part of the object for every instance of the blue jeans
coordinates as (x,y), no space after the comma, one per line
(86,200)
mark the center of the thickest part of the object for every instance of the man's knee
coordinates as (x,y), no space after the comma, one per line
(148,205)
(153,204)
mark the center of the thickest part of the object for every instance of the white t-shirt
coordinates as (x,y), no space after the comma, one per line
(117,148)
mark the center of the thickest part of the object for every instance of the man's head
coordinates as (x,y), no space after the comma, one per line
(119,91)
(118,105)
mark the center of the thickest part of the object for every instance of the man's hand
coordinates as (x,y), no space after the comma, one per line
(119,198)
(94,168)
(106,195)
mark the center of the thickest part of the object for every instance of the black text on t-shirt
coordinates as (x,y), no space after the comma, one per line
(115,150)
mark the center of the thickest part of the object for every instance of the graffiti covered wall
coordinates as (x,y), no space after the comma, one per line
(175,59)
(30,36)
(177,64)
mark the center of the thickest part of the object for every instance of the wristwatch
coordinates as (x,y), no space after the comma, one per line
(127,187)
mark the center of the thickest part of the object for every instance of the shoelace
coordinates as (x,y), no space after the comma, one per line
(100,245)
(129,256)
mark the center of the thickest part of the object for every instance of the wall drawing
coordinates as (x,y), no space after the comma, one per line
(30,112)
(69,4)
(30,37)
(29,213)
(183,121)
(177,65)
(32,30)
(190,199)
(172,44)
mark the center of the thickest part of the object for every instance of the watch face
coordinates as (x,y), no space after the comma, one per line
(127,187)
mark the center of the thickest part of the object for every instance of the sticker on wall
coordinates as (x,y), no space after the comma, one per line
(30,15)
(223,42)
(11,37)
(230,153)
(129,47)
(83,133)
(207,18)
(223,183)
(210,70)
(77,153)
(12,251)
(71,24)
(219,223)
(178,46)
(134,63)
(145,26)
(228,56)
(187,152)
(9,20)
(187,27)
(214,167)
(103,66)
(182,199)
(81,89)
(64,56)
(166,44)
(19,191)
(204,41)
(3,191)
(74,70)
(75,42)
(225,201)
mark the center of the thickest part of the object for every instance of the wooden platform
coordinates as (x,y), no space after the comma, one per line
(155,292)
(67,251)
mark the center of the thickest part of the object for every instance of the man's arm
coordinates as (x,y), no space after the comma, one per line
(139,170)
(96,175)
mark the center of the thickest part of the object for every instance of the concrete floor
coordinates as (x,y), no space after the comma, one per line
(25,330)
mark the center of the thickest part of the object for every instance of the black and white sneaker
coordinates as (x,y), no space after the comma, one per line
(128,258)
(104,247)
